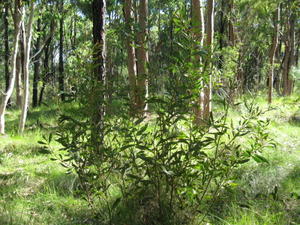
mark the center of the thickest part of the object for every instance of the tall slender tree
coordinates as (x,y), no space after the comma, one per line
(131,57)
(289,55)
(142,57)
(61,78)
(27,46)
(19,81)
(18,18)
(99,71)
(36,74)
(273,49)
(209,45)
(231,31)
(6,47)
(198,32)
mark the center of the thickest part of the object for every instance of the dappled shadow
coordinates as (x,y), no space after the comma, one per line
(37,119)
(28,150)
(60,183)
(17,183)
(278,195)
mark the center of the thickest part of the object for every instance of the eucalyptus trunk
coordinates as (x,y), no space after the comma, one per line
(36,74)
(209,45)
(19,81)
(142,58)
(99,74)
(198,32)
(18,18)
(273,52)
(27,47)
(289,57)
(131,58)
(6,48)
(231,31)
(61,78)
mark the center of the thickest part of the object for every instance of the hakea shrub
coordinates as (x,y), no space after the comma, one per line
(163,162)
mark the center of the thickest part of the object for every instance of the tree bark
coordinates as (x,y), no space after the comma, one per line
(18,18)
(36,75)
(222,31)
(99,73)
(99,9)
(273,52)
(46,73)
(289,57)
(209,45)
(6,48)
(198,32)
(292,52)
(131,58)
(19,81)
(61,78)
(142,58)
(20,69)
(231,33)
(27,43)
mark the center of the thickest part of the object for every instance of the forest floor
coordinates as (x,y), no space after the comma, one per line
(37,190)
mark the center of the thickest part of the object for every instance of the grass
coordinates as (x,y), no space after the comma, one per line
(36,190)
(33,188)
(268,193)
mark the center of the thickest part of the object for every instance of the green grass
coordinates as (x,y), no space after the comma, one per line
(267,193)
(33,188)
(36,190)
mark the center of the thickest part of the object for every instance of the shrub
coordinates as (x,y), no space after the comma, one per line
(164,162)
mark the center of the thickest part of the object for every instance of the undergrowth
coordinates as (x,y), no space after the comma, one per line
(37,190)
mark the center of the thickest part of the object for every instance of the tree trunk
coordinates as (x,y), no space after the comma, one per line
(61,78)
(142,58)
(36,75)
(99,76)
(46,70)
(20,72)
(198,32)
(297,51)
(131,59)
(222,25)
(289,57)
(6,47)
(46,73)
(27,43)
(18,18)
(99,8)
(19,81)
(231,33)
(292,52)
(209,44)
(272,53)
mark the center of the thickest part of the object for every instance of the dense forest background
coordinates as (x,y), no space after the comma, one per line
(149,112)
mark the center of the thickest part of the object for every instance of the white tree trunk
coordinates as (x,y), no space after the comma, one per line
(18,18)
(198,32)
(27,47)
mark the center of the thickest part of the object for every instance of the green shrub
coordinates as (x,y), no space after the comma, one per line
(170,167)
